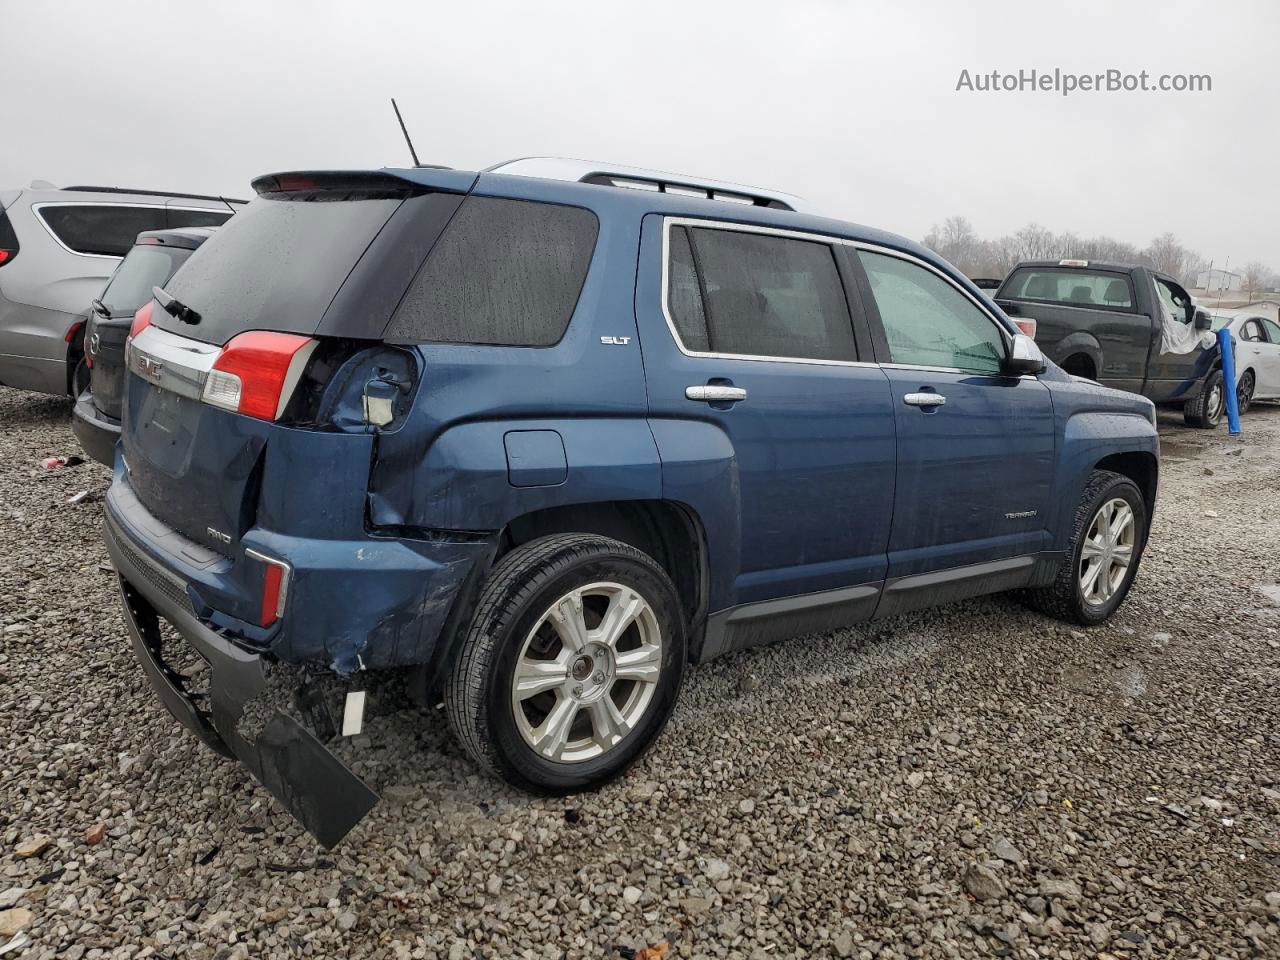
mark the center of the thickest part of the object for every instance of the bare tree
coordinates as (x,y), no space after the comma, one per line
(1168,255)
(1254,275)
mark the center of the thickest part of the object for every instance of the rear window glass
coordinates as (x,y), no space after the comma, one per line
(197,218)
(143,268)
(505,272)
(276,265)
(100,229)
(1075,288)
(763,296)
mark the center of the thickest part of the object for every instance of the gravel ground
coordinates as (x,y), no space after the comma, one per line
(966,782)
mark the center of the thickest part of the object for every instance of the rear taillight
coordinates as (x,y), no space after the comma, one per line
(141,319)
(275,587)
(74,331)
(6,255)
(256,372)
(1026,325)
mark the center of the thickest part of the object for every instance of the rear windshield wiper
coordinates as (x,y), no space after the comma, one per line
(174,308)
(100,308)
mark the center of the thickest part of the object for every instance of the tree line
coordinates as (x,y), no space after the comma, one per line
(957,241)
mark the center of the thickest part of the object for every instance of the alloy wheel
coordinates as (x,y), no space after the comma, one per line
(1107,551)
(587,672)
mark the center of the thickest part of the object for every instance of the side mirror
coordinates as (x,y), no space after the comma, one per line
(1203,320)
(1024,356)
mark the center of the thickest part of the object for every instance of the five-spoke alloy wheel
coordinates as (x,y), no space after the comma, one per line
(571,663)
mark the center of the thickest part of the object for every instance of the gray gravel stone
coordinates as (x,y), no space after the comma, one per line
(1021,737)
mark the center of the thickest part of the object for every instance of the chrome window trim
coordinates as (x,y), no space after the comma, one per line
(36,208)
(669,222)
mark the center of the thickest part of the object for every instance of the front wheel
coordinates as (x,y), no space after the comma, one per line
(1205,409)
(1108,536)
(1244,392)
(571,664)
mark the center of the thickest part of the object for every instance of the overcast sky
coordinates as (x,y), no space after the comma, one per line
(851,104)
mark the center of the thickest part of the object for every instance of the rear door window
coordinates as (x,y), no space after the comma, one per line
(504,273)
(107,230)
(927,321)
(757,295)
(1096,289)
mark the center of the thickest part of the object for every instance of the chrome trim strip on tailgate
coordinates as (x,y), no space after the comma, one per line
(171,362)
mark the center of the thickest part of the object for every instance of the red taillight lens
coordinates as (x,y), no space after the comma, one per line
(74,331)
(271,585)
(5,255)
(141,319)
(1026,325)
(275,587)
(256,372)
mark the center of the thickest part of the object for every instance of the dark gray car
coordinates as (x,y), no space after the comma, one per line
(153,260)
(58,247)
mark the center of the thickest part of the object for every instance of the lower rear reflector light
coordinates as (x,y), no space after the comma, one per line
(275,587)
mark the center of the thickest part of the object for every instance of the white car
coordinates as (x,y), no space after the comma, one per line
(1257,354)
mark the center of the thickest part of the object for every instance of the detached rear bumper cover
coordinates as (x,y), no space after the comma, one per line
(295,767)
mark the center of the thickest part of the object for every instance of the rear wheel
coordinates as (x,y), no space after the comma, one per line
(1107,540)
(1205,409)
(571,664)
(1244,391)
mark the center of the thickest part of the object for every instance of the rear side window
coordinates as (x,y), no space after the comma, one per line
(927,321)
(100,229)
(1273,330)
(684,297)
(1073,288)
(144,267)
(197,218)
(758,295)
(504,273)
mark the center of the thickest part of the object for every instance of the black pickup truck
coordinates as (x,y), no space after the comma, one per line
(1126,327)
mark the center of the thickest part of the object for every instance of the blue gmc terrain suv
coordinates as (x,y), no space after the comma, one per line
(538,437)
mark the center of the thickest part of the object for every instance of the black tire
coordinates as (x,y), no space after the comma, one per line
(1205,410)
(516,595)
(1244,392)
(79,378)
(1064,599)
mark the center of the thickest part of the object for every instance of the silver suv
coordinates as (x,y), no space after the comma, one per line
(58,247)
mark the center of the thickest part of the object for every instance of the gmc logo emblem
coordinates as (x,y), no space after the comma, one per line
(150,368)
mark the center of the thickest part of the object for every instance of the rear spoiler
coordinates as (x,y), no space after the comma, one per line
(362,184)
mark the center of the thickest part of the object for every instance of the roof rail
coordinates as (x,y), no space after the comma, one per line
(154,193)
(638,178)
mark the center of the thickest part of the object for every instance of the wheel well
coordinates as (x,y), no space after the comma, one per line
(75,353)
(1080,365)
(1141,468)
(669,532)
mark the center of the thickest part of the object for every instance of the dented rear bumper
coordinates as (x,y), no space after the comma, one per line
(340,617)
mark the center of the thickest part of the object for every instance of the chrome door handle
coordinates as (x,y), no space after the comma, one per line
(710,392)
(924,399)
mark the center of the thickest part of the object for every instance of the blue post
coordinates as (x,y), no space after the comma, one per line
(1227,348)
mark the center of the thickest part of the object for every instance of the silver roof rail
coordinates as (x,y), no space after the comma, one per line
(638,178)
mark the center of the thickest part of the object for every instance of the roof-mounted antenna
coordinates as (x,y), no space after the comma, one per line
(413,153)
